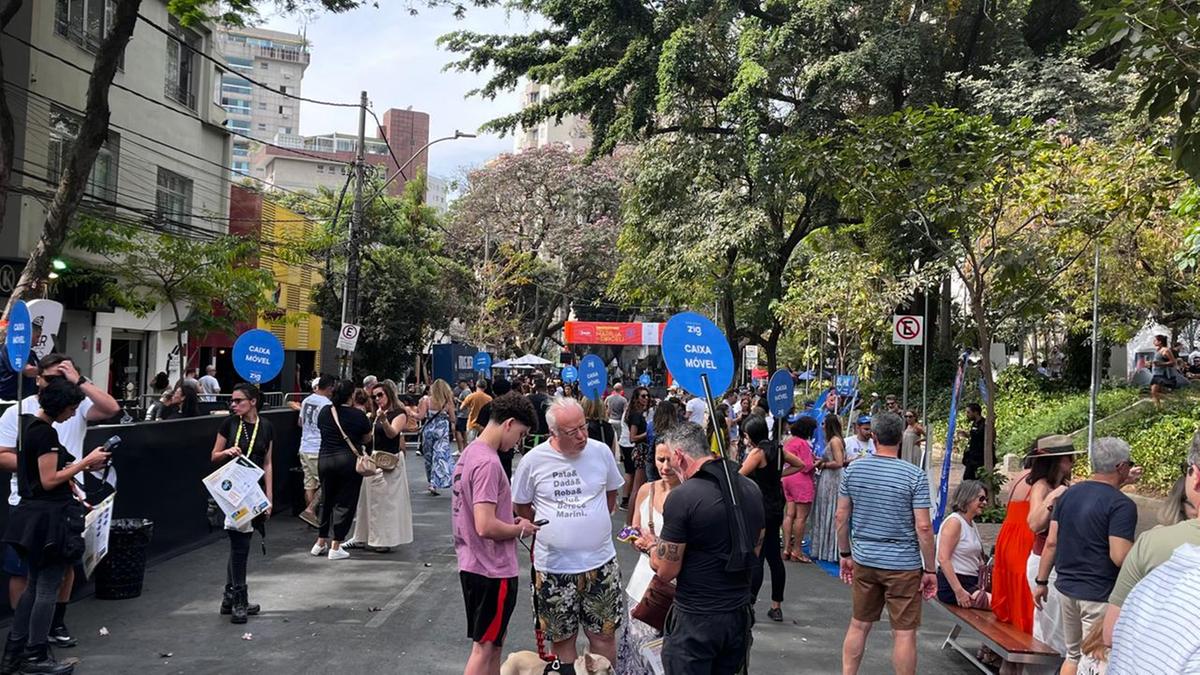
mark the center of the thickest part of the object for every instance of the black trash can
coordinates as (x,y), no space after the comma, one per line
(120,574)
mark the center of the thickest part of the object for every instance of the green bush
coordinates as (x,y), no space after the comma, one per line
(1160,444)
(1023,421)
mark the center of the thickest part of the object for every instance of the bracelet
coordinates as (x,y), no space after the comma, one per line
(928,572)
(844,554)
(1042,582)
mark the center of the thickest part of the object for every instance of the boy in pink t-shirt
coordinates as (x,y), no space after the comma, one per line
(485,531)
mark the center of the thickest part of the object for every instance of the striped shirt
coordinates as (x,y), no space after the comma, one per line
(883,492)
(1156,632)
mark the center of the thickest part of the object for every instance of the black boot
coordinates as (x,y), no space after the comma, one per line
(227,603)
(239,609)
(13,649)
(38,660)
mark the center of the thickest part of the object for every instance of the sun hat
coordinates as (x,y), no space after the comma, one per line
(1054,446)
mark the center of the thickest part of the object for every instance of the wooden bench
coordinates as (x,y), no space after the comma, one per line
(1007,640)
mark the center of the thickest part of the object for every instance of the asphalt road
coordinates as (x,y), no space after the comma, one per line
(400,612)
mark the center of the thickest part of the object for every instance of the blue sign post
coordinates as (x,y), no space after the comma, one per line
(781,393)
(593,376)
(257,356)
(846,384)
(644,380)
(483,363)
(18,339)
(699,358)
(569,374)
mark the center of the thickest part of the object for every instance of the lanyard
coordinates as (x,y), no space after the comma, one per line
(253,435)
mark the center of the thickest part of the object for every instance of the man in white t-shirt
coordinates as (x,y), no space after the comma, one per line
(97,405)
(697,410)
(572,481)
(860,444)
(209,386)
(310,443)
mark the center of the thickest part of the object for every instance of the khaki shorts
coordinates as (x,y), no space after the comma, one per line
(309,463)
(593,599)
(1078,617)
(900,590)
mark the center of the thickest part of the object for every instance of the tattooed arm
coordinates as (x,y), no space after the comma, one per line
(667,559)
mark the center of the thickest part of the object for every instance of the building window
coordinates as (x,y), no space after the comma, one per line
(242,168)
(238,125)
(262,126)
(182,75)
(264,65)
(85,22)
(262,105)
(64,129)
(173,198)
(241,149)
(320,168)
(234,84)
(283,90)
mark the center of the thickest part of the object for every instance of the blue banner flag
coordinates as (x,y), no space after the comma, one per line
(818,413)
(944,486)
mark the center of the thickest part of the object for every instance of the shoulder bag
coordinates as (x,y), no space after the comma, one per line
(384,460)
(365,464)
(660,595)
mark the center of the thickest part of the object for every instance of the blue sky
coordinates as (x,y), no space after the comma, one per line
(394,57)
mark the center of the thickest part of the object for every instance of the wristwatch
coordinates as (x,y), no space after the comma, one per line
(1042,582)
(82,381)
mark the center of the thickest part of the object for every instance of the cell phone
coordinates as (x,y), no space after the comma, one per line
(541,523)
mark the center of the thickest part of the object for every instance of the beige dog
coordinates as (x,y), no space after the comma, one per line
(529,663)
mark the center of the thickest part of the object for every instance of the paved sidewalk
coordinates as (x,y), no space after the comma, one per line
(399,612)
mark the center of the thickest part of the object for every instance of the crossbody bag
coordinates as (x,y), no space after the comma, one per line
(364,465)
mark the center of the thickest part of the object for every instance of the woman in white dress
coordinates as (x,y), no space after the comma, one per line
(648,519)
(384,517)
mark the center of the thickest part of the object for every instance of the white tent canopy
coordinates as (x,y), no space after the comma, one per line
(527,361)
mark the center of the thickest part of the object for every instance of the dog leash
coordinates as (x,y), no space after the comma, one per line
(538,634)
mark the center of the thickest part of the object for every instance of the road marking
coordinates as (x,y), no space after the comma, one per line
(382,615)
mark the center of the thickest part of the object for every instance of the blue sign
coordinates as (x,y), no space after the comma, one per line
(257,356)
(483,362)
(593,376)
(569,374)
(846,384)
(943,494)
(693,346)
(781,393)
(18,340)
(644,380)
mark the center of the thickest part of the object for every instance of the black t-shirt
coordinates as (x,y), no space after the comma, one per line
(241,434)
(634,419)
(695,515)
(354,423)
(40,439)
(602,431)
(770,481)
(540,402)
(382,442)
(975,441)
(8,379)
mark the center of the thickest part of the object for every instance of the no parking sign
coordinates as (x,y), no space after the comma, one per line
(694,347)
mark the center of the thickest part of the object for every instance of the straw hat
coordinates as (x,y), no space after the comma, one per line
(1054,446)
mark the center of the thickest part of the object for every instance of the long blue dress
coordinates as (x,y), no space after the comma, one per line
(435,447)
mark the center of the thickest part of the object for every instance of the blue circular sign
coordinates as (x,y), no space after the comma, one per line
(18,339)
(593,376)
(644,380)
(483,362)
(257,356)
(569,374)
(693,346)
(781,393)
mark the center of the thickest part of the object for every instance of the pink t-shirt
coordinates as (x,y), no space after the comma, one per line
(798,487)
(479,479)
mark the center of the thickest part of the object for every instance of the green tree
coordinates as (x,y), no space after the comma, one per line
(206,284)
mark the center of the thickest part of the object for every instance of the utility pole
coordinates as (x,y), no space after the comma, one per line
(350,291)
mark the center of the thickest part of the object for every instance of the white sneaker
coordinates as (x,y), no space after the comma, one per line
(338,554)
(318,550)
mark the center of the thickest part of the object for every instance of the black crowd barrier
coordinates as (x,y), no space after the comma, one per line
(160,466)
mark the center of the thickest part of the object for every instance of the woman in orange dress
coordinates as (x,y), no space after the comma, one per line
(1012,601)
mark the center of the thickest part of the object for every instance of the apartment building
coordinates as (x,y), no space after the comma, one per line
(277,60)
(160,167)
(299,163)
(573,131)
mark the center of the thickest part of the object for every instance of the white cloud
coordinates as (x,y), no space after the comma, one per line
(393,56)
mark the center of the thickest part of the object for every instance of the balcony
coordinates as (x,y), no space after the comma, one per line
(282,54)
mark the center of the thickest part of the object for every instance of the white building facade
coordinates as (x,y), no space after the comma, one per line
(162,165)
(573,131)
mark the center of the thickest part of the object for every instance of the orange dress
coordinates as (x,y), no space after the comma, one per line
(1012,601)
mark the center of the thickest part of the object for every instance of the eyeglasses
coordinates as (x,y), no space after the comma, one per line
(573,431)
(236,401)
(643,395)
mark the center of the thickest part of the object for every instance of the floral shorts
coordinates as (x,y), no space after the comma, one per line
(593,599)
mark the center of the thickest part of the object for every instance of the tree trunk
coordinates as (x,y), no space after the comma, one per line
(984,331)
(92,133)
(945,337)
(7,133)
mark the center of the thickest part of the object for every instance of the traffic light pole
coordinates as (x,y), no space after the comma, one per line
(350,290)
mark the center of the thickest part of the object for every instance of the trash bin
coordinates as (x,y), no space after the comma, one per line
(120,574)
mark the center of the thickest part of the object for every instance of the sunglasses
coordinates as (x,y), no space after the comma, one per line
(236,401)
(378,395)
(982,498)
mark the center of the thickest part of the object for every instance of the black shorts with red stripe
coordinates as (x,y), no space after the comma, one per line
(489,604)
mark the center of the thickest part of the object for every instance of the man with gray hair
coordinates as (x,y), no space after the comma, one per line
(1091,533)
(571,481)
(713,526)
(1153,548)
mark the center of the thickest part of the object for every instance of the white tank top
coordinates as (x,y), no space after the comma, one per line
(968,553)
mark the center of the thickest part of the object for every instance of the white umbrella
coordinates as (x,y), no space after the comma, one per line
(529,360)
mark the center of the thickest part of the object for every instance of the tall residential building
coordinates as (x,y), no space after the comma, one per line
(437,193)
(573,131)
(309,162)
(275,59)
(159,167)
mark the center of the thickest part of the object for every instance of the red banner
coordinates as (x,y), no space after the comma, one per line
(612,333)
